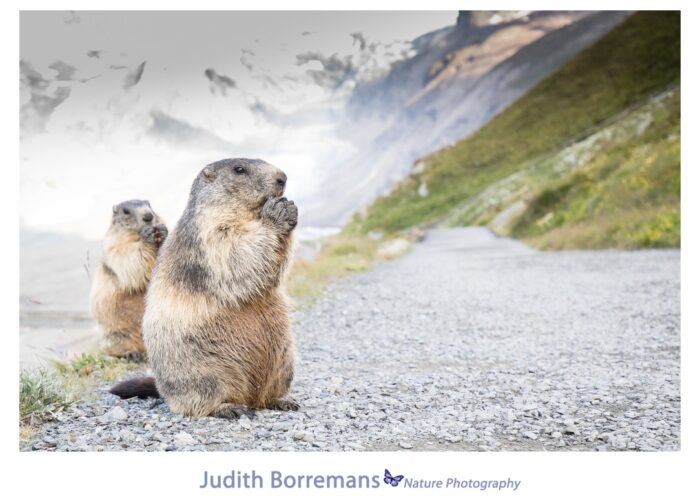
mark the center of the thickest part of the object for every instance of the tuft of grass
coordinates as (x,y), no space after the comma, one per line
(42,392)
(100,365)
(40,395)
(636,60)
(80,375)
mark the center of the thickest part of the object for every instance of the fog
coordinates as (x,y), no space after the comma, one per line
(120,105)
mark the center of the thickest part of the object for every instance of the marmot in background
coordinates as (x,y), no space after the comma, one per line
(216,325)
(118,290)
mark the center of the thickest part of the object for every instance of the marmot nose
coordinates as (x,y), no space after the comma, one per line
(148,217)
(282,180)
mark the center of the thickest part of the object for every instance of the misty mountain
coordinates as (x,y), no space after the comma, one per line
(587,158)
(458,79)
(111,120)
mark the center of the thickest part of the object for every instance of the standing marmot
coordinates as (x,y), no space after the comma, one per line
(216,325)
(118,290)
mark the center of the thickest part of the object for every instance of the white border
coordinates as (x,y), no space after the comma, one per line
(160,475)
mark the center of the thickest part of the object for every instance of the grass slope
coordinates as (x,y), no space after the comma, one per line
(621,72)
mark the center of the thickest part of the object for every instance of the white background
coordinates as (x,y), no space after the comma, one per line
(177,475)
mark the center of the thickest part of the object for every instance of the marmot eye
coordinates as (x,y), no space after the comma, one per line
(239,170)
(126,211)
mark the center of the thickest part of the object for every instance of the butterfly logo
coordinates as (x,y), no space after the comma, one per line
(389,479)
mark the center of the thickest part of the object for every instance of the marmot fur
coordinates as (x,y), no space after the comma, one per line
(118,289)
(216,325)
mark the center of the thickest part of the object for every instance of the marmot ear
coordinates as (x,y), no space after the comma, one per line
(209,173)
(114,209)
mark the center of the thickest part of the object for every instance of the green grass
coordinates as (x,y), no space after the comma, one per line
(623,70)
(40,395)
(80,375)
(102,366)
(626,195)
(42,392)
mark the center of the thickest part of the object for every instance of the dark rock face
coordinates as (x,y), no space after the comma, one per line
(133,77)
(464,19)
(35,112)
(220,83)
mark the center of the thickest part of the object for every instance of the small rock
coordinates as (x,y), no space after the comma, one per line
(619,442)
(116,414)
(405,445)
(281,426)
(183,438)
(393,248)
(126,435)
(304,436)
(572,429)
(244,422)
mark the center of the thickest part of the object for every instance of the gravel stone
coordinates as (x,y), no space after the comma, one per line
(245,423)
(468,342)
(183,438)
(116,414)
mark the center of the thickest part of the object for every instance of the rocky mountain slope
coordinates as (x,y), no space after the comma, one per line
(588,157)
(459,78)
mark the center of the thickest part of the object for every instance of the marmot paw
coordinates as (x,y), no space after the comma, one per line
(148,234)
(231,411)
(134,357)
(282,212)
(283,405)
(154,234)
(161,232)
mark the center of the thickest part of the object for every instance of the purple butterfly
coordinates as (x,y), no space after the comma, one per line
(388,479)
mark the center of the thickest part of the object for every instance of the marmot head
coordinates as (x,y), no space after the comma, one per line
(132,215)
(238,183)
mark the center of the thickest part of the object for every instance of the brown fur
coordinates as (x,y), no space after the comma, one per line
(216,324)
(117,297)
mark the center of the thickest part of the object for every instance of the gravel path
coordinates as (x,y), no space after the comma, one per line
(469,342)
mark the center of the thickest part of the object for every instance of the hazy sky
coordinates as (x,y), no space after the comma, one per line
(96,149)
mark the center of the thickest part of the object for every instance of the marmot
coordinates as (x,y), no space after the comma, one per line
(119,287)
(216,325)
